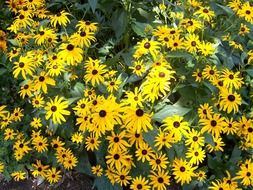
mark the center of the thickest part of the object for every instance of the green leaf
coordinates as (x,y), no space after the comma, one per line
(119,22)
(225,9)
(78,90)
(93,5)
(149,137)
(250,72)
(209,139)
(139,28)
(103,183)
(83,165)
(2,71)
(236,155)
(170,110)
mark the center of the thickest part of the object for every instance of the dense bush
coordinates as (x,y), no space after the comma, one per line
(137,94)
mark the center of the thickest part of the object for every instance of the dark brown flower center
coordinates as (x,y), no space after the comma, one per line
(161,74)
(205,11)
(176,124)
(138,67)
(144,152)
(70,47)
(116,156)
(139,186)
(102,113)
(147,45)
(116,139)
(193,43)
(211,72)
(94,72)
(53,108)
(21,64)
(26,86)
(160,180)
(41,33)
(213,123)
(182,168)
(195,138)
(21,17)
(139,112)
(231,98)
(231,76)
(166,39)
(41,78)
(82,34)
(158,161)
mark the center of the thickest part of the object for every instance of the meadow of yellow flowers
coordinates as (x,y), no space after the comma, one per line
(136,94)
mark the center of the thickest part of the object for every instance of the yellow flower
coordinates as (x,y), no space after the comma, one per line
(159,179)
(148,46)
(77,138)
(97,170)
(60,18)
(140,183)
(18,175)
(52,175)
(56,109)
(42,81)
(205,13)
(70,53)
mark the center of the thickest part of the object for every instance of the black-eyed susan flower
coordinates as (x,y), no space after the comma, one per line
(87,26)
(148,46)
(231,80)
(26,89)
(218,145)
(92,142)
(194,139)
(246,12)
(39,169)
(117,158)
(94,72)
(122,177)
(182,171)
(52,175)
(70,53)
(61,18)
(41,82)
(230,101)
(213,124)
(201,176)
(160,179)
(195,155)
(158,162)
(38,101)
(56,110)
(206,13)
(97,170)
(140,183)
(116,141)
(137,120)
(210,72)
(218,185)
(206,48)
(17,114)
(23,66)
(77,138)
(40,144)
(70,161)
(144,152)
(82,38)
(36,122)
(163,139)
(138,68)
(18,175)
(57,144)
(9,134)
(191,43)
(244,29)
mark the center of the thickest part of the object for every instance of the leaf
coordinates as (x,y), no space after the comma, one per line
(149,137)
(236,155)
(139,28)
(78,90)
(119,22)
(93,5)
(2,71)
(225,9)
(83,165)
(250,72)
(103,183)
(209,139)
(170,110)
